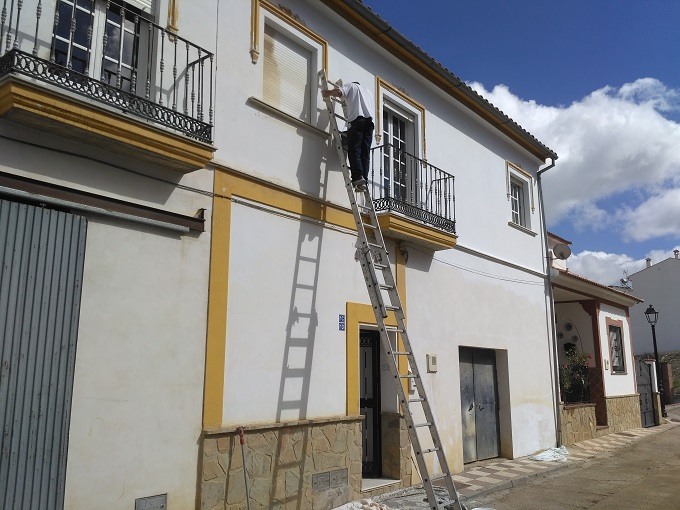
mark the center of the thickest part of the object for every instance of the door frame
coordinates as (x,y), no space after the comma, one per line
(373,337)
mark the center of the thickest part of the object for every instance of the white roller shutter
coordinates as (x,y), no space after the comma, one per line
(143,5)
(287,68)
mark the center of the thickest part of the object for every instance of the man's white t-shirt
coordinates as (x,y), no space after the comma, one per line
(359,101)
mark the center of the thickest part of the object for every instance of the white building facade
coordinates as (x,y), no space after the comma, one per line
(657,284)
(105,253)
(593,321)
(292,354)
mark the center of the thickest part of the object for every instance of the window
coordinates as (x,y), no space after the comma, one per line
(616,347)
(517,202)
(398,157)
(287,74)
(520,195)
(101,39)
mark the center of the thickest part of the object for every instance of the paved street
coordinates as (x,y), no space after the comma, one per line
(630,470)
(642,476)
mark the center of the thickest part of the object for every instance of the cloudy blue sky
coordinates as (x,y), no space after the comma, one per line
(596,81)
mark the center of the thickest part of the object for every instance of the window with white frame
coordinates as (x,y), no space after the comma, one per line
(287,80)
(520,196)
(616,347)
(102,39)
(398,154)
(517,202)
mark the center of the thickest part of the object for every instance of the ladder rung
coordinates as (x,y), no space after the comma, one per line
(393,330)
(416,399)
(438,477)
(392,308)
(401,353)
(426,424)
(409,376)
(386,287)
(380,266)
(445,502)
(373,245)
(430,450)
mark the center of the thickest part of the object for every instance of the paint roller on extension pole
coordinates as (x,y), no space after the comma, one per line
(242,440)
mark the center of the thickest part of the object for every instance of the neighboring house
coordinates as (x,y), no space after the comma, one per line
(104,253)
(594,319)
(658,284)
(292,353)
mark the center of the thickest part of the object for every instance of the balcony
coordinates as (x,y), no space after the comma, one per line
(415,200)
(105,73)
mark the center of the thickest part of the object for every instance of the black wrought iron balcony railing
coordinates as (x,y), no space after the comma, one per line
(112,53)
(404,183)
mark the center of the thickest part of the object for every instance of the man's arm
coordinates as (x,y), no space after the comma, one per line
(331,92)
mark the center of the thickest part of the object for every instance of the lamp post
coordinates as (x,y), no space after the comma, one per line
(653,316)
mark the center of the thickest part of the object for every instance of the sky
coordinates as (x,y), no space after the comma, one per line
(597,81)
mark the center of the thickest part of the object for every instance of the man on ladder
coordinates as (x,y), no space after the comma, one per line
(382,288)
(360,107)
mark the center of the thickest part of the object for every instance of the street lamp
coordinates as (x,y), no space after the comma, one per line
(653,316)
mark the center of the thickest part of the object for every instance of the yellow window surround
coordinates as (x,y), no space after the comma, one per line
(256,29)
(382,86)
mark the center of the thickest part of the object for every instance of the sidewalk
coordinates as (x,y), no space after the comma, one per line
(486,477)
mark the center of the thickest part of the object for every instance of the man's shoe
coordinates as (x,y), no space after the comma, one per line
(359,184)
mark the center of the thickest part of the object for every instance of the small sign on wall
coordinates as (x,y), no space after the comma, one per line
(341,322)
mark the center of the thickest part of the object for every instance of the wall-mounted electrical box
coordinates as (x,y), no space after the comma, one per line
(431,363)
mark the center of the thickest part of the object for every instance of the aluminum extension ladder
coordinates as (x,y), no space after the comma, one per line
(384,299)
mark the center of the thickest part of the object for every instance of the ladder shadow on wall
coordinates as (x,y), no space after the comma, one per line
(292,452)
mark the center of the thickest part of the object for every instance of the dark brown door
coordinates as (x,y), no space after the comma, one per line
(369,402)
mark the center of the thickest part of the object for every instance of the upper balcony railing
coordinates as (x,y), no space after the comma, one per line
(114,54)
(403,183)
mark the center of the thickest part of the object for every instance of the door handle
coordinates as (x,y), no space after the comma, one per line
(481,407)
(472,406)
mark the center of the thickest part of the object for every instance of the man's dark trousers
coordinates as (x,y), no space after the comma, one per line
(359,138)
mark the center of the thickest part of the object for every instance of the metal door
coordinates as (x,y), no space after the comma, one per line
(41,269)
(369,401)
(479,404)
(644,386)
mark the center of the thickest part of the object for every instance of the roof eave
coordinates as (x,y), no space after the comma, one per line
(581,284)
(382,32)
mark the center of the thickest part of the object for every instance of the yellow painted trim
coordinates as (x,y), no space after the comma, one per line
(254,30)
(41,107)
(382,84)
(400,278)
(406,229)
(356,315)
(248,187)
(286,18)
(173,15)
(216,341)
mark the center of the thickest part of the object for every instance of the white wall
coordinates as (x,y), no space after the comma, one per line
(265,290)
(658,286)
(485,304)
(457,141)
(617,384)
(458,300)
(138,386)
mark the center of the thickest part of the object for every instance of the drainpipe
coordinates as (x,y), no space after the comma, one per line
(553,334)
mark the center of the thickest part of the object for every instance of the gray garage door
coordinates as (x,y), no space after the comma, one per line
(41,257)
(479,404)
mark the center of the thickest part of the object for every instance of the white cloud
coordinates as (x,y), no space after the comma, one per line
(613,141)
(608,268)
(657,216)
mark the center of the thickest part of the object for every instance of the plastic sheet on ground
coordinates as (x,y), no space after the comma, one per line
(552,455)
(364,504)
